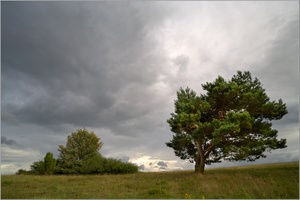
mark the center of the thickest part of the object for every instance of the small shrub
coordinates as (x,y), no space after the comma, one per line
(92,166)
(38,168)
(23,172)
(49,164)
(114,166)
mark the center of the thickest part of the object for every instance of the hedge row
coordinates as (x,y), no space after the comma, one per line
(95,165)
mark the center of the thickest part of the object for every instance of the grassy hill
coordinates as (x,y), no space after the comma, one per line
(255,182)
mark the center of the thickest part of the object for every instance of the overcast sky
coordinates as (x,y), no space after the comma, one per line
(114,68)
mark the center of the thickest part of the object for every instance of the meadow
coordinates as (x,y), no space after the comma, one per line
(270,181)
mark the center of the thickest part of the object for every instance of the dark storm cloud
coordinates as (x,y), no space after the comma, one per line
(292,117)
(73,61)
(124,158)
(142,167)
(4,140)
(278,69)
(9,118)
(162,164)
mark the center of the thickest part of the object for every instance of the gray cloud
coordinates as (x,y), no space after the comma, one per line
(123,158)
(4,140)
(181,61)
(63,83)
(280,60)
(162,164)
(114,68)
(142,167)
(9,118)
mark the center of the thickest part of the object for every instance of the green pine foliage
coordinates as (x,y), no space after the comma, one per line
(231,121)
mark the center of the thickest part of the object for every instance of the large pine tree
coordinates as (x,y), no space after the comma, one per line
(232,121)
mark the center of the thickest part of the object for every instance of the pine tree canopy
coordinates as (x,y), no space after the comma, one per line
(231,121)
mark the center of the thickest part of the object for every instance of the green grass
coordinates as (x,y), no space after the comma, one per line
(279,181)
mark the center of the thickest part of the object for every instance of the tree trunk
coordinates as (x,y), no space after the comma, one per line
(200,159)
(199,168)
(197,163)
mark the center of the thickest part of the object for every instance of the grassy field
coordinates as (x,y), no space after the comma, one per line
(279,181)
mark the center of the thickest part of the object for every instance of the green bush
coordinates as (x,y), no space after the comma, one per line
(65,167)
(38,168)
(96,165)
(23,172)
(49,164)
(92,165)
(114,166)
